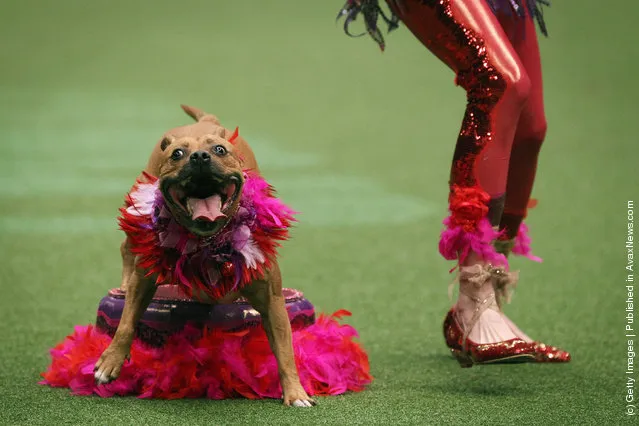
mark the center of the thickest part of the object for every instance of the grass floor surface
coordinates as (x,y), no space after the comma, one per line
(359,142)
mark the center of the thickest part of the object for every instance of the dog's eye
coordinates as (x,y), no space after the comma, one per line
(177,154)
(219,150)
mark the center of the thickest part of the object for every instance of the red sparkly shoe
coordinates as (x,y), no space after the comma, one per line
(468,352)
(543,352)
(503,290)
(508,351)
(547,353)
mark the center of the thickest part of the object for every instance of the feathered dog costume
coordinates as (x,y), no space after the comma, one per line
(201,219)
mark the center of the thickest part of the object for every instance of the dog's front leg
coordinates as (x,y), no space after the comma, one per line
(267,298)
(138,295)
(128,263)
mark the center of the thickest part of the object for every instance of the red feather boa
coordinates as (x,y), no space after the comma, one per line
(198,264)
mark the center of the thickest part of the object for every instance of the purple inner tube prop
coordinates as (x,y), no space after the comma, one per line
(170,311)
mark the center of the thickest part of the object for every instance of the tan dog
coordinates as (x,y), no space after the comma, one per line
(201,155)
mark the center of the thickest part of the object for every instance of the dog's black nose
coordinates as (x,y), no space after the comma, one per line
(200,157)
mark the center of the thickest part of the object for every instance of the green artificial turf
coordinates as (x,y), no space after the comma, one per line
(359,142)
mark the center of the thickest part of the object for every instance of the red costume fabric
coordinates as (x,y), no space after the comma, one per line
(500,69)
(491,46)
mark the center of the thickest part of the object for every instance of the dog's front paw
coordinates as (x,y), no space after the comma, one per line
(298,398)
(108,366)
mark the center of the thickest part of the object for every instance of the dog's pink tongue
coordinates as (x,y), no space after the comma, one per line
(206,208)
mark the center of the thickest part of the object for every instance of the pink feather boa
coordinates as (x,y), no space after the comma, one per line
(468,229)
(456,243)
(236,256)
(522,244)
(215,364)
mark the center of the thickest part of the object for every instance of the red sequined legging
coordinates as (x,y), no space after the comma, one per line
(499,67)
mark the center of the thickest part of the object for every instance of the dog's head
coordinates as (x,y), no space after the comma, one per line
(200,174)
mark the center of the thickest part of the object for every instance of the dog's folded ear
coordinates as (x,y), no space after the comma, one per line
(166,141)
(199,115)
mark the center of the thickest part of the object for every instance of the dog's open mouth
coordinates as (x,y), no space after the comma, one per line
(205,201)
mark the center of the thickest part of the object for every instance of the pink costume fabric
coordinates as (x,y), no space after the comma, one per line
(215,364)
